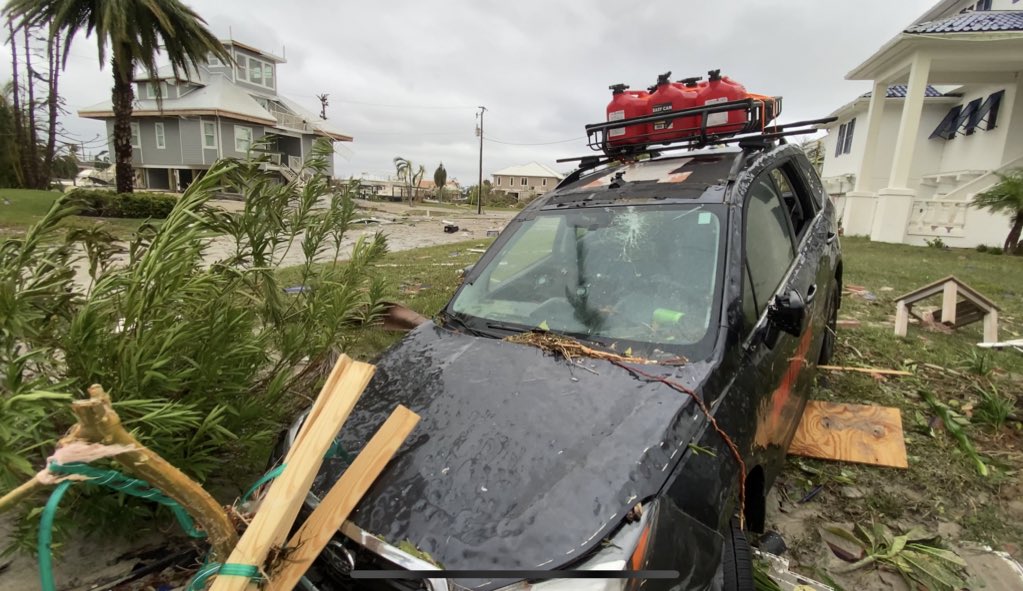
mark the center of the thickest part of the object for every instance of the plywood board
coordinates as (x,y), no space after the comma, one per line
(851,433)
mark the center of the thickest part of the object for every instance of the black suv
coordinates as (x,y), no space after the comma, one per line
(714,274)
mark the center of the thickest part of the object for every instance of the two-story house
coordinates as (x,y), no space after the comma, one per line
(944,118)
(526,181)
(216,111)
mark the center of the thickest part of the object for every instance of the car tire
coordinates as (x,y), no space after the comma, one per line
(830,334)
(737,561)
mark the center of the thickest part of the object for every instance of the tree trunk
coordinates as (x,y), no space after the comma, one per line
(33,173)
(19,137)
(53,56)
(1012,241)
(122,97)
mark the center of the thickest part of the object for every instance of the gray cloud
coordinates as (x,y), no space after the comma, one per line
(404,77)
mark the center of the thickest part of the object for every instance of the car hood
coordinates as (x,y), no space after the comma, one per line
(520,460)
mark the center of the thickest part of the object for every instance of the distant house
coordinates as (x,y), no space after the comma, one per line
(944,118)
(218,111)
(526,181)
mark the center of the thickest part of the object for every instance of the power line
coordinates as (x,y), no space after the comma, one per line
(390,106)
(575,139)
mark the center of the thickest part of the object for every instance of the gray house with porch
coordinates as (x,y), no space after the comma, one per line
(217,111)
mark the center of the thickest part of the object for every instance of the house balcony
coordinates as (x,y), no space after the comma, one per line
(291,121)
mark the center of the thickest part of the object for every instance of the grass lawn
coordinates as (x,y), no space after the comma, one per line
(21,208)
(942,488)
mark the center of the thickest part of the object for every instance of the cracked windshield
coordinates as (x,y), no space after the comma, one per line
(640,274)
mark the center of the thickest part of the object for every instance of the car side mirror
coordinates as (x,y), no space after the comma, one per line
(787,312)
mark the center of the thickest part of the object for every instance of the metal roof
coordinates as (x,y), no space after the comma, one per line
(533,169)
(900,91)
(973,22)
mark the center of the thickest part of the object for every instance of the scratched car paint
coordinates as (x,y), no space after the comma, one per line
(526,460)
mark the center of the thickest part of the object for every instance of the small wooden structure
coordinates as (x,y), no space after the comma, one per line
(954,312)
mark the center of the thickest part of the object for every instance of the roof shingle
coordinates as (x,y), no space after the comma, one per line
(974,22)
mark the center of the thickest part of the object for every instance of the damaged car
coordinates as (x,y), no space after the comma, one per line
(612,388)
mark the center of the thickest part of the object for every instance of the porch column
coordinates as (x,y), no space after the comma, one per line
(858,215)
(895,202)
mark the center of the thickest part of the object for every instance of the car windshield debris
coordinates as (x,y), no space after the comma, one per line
(637,274)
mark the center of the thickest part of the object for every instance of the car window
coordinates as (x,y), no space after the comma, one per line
(639,274)
(769,250)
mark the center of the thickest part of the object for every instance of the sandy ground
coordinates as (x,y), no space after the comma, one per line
(403,231)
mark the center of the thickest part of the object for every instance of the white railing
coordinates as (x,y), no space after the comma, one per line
(290,120)
(937,217)
(295,163)
(979,184)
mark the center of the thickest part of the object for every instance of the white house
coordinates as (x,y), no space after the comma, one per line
(526,181)
(945,114)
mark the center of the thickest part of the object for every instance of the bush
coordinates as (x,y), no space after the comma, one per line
(989,249)
(107,204)
(206,360)
(936,243)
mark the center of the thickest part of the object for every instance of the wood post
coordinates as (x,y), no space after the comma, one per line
(901,318)
(333,510)
(949,295)
(991,326)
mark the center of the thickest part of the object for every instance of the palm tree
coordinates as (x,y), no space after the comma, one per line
(409,175)
(1006,197)
(440,178)
(134,32)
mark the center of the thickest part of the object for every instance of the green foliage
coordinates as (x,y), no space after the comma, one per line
(955,423)
(107,204)
(440,178)
(1006,197)
(409,175)
(978,363)
(915,555)
(205,359)
(936,243)
(994,408)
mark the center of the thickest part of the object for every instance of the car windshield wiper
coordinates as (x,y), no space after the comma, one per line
(516,328)
(453,321)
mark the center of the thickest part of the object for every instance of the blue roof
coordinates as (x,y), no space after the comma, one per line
(900,90)
(974,22)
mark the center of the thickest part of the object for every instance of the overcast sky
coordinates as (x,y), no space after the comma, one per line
(405,77)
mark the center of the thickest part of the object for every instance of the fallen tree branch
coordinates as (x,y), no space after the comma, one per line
(98,423)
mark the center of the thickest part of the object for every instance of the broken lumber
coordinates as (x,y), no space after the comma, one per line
(279,508)
(864,434)
(333,510)
(872,370)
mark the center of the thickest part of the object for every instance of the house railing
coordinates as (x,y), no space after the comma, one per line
(290,120)
(937,217)
(295,163)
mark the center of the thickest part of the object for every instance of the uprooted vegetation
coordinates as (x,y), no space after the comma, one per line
(206,359)
(960,409)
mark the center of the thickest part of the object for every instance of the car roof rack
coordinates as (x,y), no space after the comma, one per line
(755,133)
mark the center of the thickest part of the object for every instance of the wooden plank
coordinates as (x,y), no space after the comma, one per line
(280,506)
(851,433)
(872,370)
(326,519)
(340,366)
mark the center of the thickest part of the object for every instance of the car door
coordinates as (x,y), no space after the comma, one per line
(778,264)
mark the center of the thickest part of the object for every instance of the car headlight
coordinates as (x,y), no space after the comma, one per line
(627,550)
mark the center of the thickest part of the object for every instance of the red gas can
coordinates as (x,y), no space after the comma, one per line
(722,89)
(670,97)
(626,104)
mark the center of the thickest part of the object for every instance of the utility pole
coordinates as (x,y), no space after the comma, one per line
(479,187)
